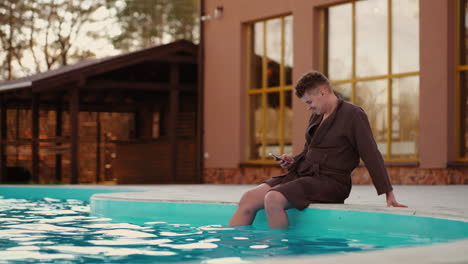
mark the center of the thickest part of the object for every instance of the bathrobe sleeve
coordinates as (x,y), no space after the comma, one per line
(367,148)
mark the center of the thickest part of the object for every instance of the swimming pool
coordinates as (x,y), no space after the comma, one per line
(53,225)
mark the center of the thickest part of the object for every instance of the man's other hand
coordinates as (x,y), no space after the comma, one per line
(391,201)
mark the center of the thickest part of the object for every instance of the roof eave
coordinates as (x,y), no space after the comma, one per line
(13,86)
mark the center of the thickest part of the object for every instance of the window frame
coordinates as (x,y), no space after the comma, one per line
(265,90)
(459,69)
(354,79)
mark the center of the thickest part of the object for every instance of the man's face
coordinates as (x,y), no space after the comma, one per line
(314,100)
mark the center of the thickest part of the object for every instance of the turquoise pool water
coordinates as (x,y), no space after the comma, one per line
(60,226)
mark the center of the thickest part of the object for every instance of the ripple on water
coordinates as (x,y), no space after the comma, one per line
(115,226)
(241,238)
(123,242)
(51,200)
(20,255)
(198,245)
(259,246)
(228,260)
(214,228)
(24,248)
(28,238)
(109,251)
(37,243)
(40,211)
(154,223)
(64,219)
(165,233)
(125,233)
(47,227)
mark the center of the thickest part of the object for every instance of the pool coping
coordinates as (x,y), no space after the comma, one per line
(345,207)
(192,194)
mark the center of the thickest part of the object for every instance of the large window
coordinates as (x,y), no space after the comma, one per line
(372,58)
(269,80)
(462,82)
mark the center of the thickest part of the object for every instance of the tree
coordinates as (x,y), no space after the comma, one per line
(12,17)
(39,35)
(44,32)
(146,23)
(182,20)
(63,22)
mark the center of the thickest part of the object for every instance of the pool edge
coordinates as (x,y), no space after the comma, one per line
(131,197)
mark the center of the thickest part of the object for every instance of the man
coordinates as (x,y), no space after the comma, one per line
(337,136)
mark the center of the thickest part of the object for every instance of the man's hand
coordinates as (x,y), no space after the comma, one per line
(288,163)
(391,201)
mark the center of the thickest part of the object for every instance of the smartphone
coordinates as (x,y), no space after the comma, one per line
(276,157)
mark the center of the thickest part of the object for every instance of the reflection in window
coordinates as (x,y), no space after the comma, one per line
(256,56)
(371,38)
(288,49)
(255,124)
(462,70)
(464,118)
(405,29)
(462,147)
(270,77)
(344,91)
(373,60)
(340,42)
(372,97)
(273,51)
(405,117)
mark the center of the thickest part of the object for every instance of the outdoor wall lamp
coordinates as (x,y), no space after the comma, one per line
(217,14)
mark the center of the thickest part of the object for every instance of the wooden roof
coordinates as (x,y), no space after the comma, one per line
(179,51)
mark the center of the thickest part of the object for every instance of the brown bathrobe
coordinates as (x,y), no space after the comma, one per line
(322,171)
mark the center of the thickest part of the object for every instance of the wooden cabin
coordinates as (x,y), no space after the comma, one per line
(127,119)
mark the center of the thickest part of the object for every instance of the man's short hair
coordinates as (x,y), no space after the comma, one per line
(310,81)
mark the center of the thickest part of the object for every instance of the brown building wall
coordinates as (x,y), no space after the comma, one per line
(225,95)
(437,77)
(225,91)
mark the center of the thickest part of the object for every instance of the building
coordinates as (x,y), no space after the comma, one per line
(130,118)
(403,61)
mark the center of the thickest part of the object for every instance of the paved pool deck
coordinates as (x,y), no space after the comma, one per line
(441,201)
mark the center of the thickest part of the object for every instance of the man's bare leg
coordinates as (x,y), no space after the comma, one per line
(275,206)
(250,203)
